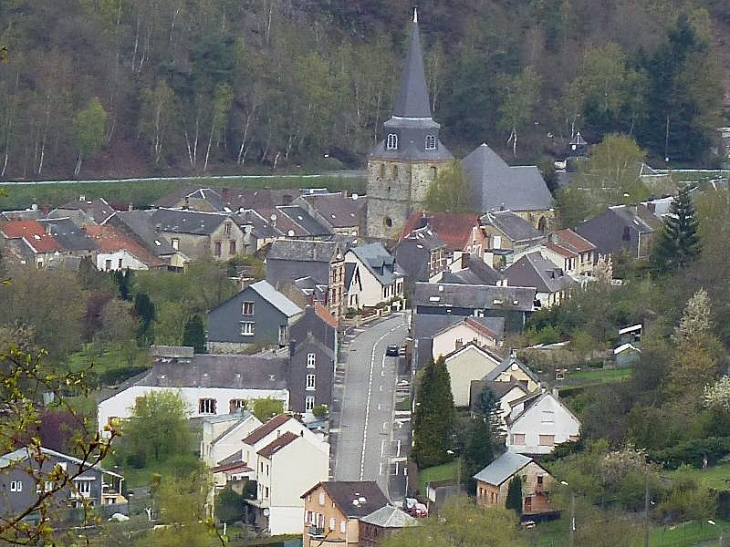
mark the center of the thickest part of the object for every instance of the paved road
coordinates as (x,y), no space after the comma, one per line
(364,445)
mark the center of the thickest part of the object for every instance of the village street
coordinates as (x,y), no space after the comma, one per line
(363,437)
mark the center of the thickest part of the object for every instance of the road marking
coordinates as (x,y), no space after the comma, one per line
(397,452)
(382,373)
(380,407)
(382,447)
(367,403)
(381,388)
(385,425)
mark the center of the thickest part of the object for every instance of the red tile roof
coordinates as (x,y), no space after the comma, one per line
(260,432)
(581,244)
(454,229)
(109,240)
(324,314)
(237,467)
(34,234)
(561,250)
(481,328)
(273,447)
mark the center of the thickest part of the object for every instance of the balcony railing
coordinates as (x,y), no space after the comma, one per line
(316,532)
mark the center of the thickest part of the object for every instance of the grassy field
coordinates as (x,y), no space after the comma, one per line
(439,473)
(716,477)
(599,375)
(144,192)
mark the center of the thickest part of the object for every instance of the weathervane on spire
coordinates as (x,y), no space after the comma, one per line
(415,15)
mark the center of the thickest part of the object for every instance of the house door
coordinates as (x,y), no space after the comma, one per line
(528,504)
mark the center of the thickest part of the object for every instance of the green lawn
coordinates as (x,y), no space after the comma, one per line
(715,477)
(141,193)
(598,375)
(439,473)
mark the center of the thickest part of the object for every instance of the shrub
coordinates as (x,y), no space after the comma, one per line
(692,453)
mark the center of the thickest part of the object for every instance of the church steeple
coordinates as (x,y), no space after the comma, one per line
(412,100)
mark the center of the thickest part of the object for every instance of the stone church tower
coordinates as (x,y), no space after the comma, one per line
(402,167)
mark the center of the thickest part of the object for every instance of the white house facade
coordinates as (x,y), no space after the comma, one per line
(464,332)
(118,260)
(538,422)
(223,436)
(372,276)
(465,365)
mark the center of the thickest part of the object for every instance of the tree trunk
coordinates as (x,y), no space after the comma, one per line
(79,161)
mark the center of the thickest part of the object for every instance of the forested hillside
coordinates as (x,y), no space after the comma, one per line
(102,88)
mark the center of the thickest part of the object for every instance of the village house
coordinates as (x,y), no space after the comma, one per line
(512,369)
(538,422)
(466,269)
(311,375)
(504,391)
(29,243)
(343,214)
(372,276)
(221,436)
(198,234)
(84,212)
(421,254)
(332,512)
(191,198)
(383,523)
(210,385)
(508,234)
(86,483)
(552,285)
(466,331)
(493,483)
(461,232)
(259,315)
(116,251)
(287,459)
(621,228)
(323,261)
(466,364)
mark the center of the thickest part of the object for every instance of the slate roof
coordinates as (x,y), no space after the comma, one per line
(427,325)
(640,217)
(68,235)
(23,454)
(98,210)
(347,495)
(379,262)
(389,517)
(275,298)
(472,323)
(500,389)
(474,296)
(263,430)
(140,224)
(506,365)
(338,209)
(534,270)
(454,229)
(474,272)
(310,225)
(109,240)
(258,198)
(412,100)
(496,185)
(202,193)
(22,214)
(303,250)
(426,236)
(34,234)
(277,444)
(282,222)
(516,228)
(503,468)
(180,221)
(262,228)
(533,399)
(213,371)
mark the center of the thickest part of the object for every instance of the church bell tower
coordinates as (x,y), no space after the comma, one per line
(405,163)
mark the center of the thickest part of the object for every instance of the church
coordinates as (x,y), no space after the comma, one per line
(407,161)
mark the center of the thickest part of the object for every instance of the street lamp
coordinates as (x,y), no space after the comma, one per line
(713,523)
(571,537)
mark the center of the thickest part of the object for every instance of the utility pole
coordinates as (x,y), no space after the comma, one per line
(571,539)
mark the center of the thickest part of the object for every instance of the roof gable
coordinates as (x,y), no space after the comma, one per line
(454,229)
(503,468)
(275,298)
(354,499)
(269,427)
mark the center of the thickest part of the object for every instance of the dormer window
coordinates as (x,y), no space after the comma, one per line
(430,142)
(392,142)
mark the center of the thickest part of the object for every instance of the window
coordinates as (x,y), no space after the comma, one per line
(311,360)
(430,142)
(497,242)
(236,405)
(311,381)
(47,487)
(548,417)
(332,523)
(247,328)
(83,488)
(120,264)
(108,265)
(267,469)
(392,142)
(388,222)
(518,438)
(217,248)
(434,173)
(206,406)
(16,486)
(321,498)
(540,479)
(547,440)
(247,308)
(176,243)
(627,234)
(309,403)
(283,334)
(227,228)
(343,526)
(232,248)
(266,492)
(395,171)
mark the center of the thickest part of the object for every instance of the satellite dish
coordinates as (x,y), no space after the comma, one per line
(290,233)
(273,218)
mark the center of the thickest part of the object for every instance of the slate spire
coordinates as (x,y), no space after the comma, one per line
(412,99)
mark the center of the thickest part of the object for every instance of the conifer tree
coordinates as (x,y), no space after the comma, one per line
(478,452)
(145,310)
(194,335)
(434,417)
(677,244)
(514,495)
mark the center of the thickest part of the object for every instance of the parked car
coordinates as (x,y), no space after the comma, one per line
(392,350)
